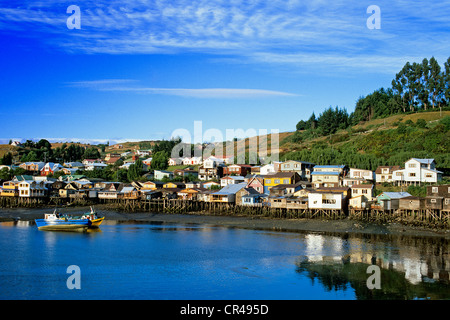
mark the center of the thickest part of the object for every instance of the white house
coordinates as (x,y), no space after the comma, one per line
(231,180)
(212,162)
(362,195)
(267,169)
(192,160)
(361,173)
(95,166)
(143,152)
(31,188)
(175,161)
(161,174)
(147,161)
(325,200)
(417,171)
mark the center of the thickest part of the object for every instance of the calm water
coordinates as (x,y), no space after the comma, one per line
(149,261)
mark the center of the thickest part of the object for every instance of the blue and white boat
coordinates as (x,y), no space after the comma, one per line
(54,222)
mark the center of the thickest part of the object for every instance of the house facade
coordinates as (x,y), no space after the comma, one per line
(10,189)
(206,174)
(161,174)
(327,175)
(237,169)
(385,174)
(417,171)
(367,175)
(32,166)
(303,168)
(257,183)
(31,189)
(227,194)
(272,180)
(361,196)
(391,200)
(51,168)
(267,169)
(326,200)
(231,180)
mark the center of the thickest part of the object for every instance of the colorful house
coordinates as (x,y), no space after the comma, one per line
(272,180)
(10,189)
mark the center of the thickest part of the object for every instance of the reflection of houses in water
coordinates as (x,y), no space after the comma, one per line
(417,258)
(315,245)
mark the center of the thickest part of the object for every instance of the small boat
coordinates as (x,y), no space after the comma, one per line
(57,222)
(54,222)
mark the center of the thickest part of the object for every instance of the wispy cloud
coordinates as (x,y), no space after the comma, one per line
(295,32)
(120,85)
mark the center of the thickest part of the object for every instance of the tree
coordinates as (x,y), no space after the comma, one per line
(301,125)
(5,174)
(446,81)
(91,153)
(424,92)
(435,82)
(121,175)
(160,161)
(135,170)
(6,159)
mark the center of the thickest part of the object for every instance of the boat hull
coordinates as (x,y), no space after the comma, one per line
(96,222)
(62,225)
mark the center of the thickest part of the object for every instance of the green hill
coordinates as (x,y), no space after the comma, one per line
(388,141)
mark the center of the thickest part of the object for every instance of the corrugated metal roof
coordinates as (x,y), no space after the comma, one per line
(231,188)
(397,195)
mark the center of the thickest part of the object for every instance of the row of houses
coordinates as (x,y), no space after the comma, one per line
(276,190)
(414,171)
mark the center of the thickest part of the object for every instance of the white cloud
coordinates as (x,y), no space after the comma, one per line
(305,33)
(231,93)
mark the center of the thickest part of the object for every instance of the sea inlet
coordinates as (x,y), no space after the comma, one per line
(174,261)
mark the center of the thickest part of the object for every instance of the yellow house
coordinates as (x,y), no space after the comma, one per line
(173,185)
(10,189)
(272,180)
(150,185)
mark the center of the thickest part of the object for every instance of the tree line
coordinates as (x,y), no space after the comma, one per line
(416,87)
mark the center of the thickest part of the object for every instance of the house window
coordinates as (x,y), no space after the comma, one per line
(412,174)
(268,181)
(286,181)
(411,165)
(447,201)
(329,201)
(433,200)
(277,181)
(429,175)
(364,191)
(434,189)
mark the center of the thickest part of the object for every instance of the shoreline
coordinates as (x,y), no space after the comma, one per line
(343,226)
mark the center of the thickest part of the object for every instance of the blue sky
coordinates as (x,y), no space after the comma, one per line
(138,70)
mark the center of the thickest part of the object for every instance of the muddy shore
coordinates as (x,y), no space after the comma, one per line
(291,225)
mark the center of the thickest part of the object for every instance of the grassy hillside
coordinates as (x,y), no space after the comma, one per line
(388,141)
(6,148)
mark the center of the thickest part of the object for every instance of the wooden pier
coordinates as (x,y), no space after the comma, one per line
(424,217)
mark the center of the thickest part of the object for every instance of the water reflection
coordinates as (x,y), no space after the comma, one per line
(411,267)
